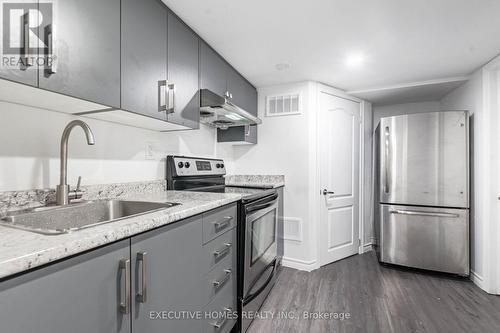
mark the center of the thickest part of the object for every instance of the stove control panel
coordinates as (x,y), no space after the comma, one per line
(178,166)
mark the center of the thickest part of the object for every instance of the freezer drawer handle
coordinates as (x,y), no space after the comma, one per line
(419,213)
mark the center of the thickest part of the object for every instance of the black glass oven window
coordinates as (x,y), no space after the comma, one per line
(203,166)
(263,234)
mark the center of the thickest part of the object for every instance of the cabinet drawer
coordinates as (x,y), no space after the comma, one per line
(219,221)
(220,314)
(222,277)
(219,249)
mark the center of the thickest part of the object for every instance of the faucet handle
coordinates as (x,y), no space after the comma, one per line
(77,193)
(78,183)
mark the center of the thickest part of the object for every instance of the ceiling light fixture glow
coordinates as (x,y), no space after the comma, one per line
(355,60)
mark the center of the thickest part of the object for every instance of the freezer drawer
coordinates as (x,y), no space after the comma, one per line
(424,159)
(427,238)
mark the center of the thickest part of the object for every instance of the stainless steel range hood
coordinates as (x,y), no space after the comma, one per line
(217,111)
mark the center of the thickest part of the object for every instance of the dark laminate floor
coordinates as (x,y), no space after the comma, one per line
(379,299)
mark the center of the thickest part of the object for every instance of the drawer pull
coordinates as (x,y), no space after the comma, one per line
(221,282)
(218,324)
(223,224)
(223,252)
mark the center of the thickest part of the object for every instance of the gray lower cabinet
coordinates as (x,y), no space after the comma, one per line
(167,278)
(84,37)
(183,73)
(78,295)
(144,57)
(164,280)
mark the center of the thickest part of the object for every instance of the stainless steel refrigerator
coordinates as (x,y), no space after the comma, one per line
(422,191)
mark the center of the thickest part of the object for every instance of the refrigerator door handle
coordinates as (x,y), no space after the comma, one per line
(419,213)
(387,158)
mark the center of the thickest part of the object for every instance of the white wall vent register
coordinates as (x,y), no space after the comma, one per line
(282,105)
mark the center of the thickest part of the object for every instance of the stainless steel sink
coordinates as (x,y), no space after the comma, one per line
(64,219)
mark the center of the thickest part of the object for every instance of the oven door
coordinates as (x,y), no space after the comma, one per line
(261,221)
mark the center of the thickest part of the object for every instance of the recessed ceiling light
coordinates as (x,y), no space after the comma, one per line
(355,60)
(283,66)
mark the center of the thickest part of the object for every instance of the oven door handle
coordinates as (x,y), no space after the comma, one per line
(252,296)
(253,208)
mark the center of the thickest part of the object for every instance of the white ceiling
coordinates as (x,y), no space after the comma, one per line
(433,90)
(402,40)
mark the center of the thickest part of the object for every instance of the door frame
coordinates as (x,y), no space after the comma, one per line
(490,281)
(364,106)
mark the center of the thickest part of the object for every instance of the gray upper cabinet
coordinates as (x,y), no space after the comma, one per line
(85,40)
(78,295)
(144,57)
(213,70)
(167,276)
(17,71)
(242,92)
(183,74)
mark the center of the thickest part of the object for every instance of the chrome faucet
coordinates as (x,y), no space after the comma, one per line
(63,193)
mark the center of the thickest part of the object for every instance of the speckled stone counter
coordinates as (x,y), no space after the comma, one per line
(22,250)
(258,181)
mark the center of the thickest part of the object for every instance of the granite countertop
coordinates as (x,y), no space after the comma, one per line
(258,181)
(22,250)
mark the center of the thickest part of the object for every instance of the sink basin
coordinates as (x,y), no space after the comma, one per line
(64,219)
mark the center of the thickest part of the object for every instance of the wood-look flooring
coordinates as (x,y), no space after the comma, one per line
(379,299)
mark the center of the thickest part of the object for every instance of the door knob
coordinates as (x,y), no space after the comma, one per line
(325,192)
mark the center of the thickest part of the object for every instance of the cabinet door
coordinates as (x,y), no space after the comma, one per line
(85,41)
(183,63)
(213,70)
(144,57)
(78,295)
(243,94)
(14,66)
(168,270)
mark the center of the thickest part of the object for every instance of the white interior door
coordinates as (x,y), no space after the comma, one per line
(339,148)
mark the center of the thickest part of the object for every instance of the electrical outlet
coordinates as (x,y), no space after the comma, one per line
(149,151)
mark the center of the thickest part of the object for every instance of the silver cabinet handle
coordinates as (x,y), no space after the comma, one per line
(221,282)
(51,61)
(420,213)
(388,158)
(222,252)
(223,224)
(26,40)
(162,95)
(170,97)
(125,268)
(218,324)
(142,296)
(325,192)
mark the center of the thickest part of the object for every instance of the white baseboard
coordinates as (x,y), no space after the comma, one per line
(477,280)
(301,265)
(367,247)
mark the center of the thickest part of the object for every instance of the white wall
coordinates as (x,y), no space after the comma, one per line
(469,96)
(29,149)
(287,146)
